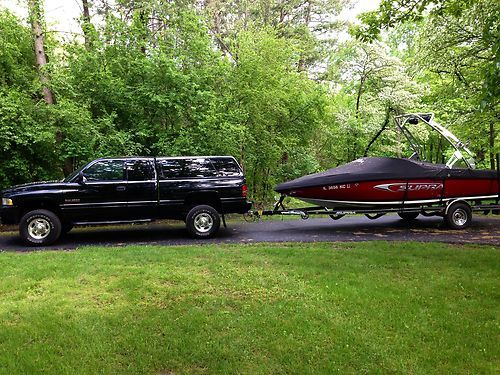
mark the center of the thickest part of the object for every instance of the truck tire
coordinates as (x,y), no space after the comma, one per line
(39,227)
(459,216)
(202,221)
(408,216)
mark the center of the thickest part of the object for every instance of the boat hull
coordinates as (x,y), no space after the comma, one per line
(396,192)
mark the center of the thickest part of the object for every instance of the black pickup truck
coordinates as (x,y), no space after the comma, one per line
(197,189)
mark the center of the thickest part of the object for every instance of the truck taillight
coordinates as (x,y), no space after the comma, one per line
(244,191)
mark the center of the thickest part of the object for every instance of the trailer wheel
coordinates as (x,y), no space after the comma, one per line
(459,216)
(408,216)
(39,227)
(203,221)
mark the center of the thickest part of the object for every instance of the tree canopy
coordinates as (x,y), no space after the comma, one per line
(272,83)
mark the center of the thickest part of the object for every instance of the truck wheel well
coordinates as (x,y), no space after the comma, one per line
(44,205)
(208,198)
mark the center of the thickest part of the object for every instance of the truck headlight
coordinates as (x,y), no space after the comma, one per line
(7,202)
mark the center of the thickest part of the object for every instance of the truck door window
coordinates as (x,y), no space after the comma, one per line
(105,170)
(140,170)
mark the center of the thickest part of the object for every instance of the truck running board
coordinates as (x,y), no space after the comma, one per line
(113,222)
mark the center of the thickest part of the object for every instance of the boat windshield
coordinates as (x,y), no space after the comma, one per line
(458,159)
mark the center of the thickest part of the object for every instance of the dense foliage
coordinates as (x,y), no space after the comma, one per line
(267,82)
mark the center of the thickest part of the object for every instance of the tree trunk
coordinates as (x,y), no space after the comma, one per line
(86,25)
(36,18)
(439,154)
(35,13)
(358,100)
(384,125)
(307,20)
(431,151)
(143,17)
(492,145)
(358,96)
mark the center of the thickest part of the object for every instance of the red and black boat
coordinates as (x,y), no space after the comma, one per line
(409,187)
(391,182)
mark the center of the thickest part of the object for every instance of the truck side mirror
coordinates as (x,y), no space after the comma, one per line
(81,178)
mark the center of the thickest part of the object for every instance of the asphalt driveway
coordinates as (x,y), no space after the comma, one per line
(484,230)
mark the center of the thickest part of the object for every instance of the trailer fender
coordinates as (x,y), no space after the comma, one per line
(450,203)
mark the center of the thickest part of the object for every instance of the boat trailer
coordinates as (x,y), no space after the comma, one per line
(450,210)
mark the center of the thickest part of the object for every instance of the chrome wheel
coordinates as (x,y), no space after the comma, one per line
(39,228)
(203,222)
(459,217)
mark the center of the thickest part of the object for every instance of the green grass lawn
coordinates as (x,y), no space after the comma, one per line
(254,309)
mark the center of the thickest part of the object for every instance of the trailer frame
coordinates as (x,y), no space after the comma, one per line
(445,209)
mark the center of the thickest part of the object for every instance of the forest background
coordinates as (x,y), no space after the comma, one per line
(274,83)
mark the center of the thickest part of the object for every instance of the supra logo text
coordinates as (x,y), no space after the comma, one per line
(412,186)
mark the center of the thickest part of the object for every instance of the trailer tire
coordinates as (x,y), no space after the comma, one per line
(39,228)
(408,216)
(203,221)
(458,215)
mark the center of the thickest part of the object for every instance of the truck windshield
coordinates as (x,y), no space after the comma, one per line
(72,175)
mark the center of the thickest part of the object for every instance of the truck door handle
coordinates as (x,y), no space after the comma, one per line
(120,188)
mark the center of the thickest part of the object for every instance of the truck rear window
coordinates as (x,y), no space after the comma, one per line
(185,168)
(226,167)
